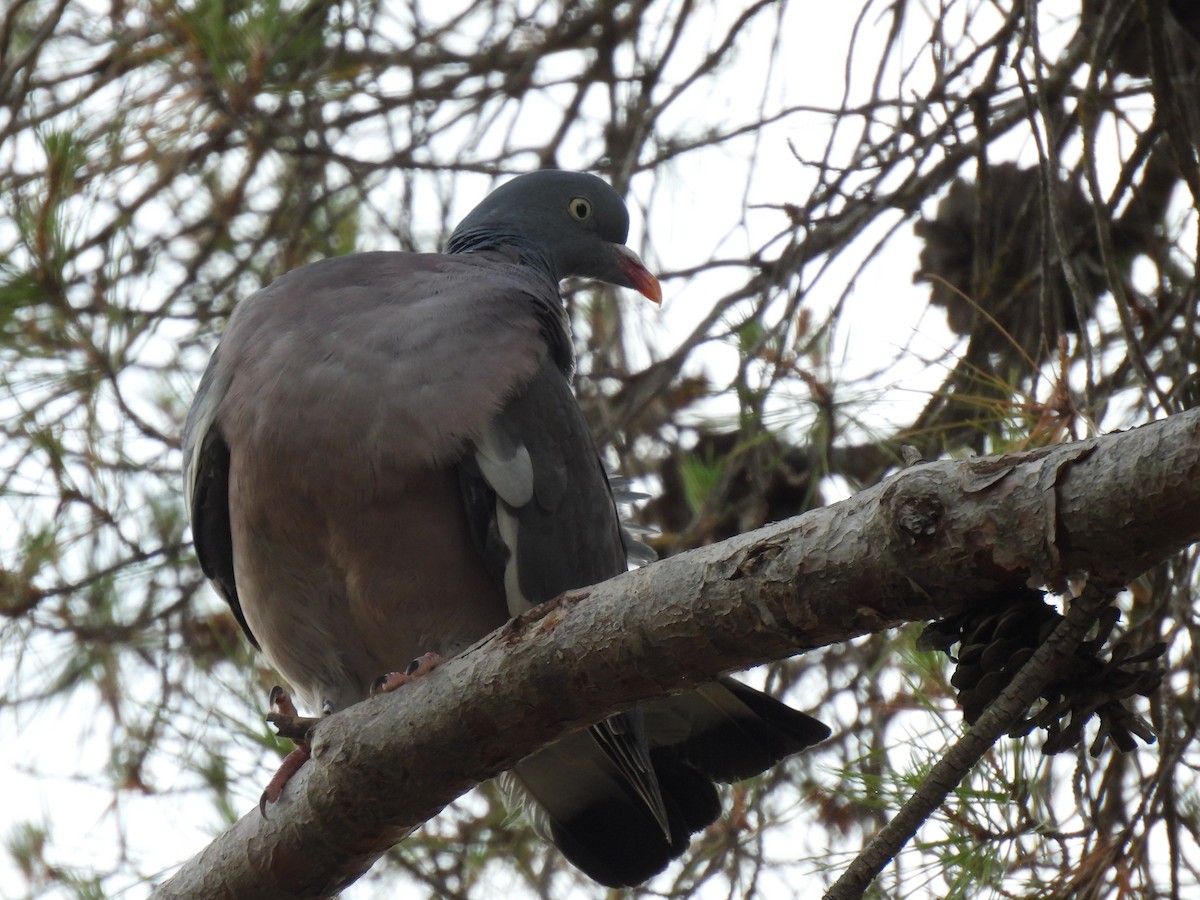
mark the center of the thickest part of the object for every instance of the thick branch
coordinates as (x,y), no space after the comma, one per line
(926,543)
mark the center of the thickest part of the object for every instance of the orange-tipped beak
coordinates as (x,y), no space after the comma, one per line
(639,276)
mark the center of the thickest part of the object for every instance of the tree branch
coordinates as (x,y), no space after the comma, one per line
(928,542)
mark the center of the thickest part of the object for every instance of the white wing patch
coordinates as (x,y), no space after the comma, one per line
(507,468)
(505,465)
(507,525)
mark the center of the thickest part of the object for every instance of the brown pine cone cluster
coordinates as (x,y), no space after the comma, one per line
(994,645)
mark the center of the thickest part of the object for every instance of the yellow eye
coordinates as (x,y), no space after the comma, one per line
(580,209)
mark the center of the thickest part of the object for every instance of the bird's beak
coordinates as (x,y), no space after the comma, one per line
(638,275)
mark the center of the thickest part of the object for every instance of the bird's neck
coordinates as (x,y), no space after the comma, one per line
(552,316)
(511,246)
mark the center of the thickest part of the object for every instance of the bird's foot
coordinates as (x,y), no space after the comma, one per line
(290,766)
(296,728)
(419,667)
(288,723)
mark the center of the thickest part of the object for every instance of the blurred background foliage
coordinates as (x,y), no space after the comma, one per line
(963,227)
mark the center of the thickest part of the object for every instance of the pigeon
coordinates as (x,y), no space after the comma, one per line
(385,461)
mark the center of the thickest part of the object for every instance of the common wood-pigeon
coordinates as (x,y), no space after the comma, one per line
(385,457)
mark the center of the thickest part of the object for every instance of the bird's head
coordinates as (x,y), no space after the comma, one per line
(571,223)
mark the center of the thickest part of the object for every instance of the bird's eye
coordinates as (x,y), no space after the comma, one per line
(580,209)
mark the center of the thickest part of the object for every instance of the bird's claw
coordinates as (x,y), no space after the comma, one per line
(290,766)
(281,701)
(287,721)
(418,668)
(296,728)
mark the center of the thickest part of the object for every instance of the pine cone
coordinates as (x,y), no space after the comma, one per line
(994,645)
(1007,306)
